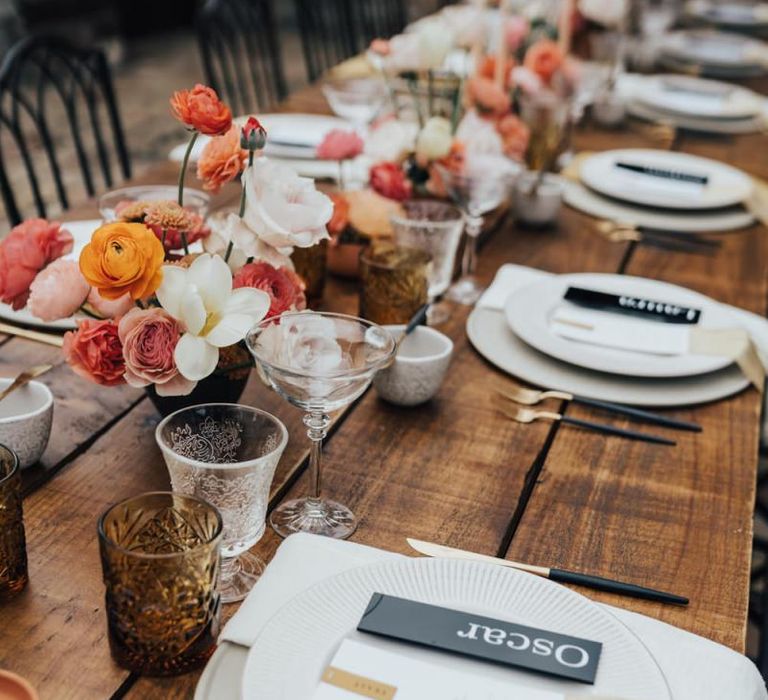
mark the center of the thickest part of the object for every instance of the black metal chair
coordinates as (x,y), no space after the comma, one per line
(58,116)
(381,18)
(329,33)
(240,52)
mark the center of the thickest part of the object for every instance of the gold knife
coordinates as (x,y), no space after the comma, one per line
(560,575)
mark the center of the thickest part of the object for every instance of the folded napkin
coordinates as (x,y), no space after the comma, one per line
(746,343)
(695,668)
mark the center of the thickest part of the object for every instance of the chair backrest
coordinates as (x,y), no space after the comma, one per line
(58,118)
(330,33)
(381,18)
(240,52)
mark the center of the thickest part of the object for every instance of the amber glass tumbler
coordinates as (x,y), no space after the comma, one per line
(160,559)
(13,549)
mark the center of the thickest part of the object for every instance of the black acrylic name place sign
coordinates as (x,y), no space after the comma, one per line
(482,638)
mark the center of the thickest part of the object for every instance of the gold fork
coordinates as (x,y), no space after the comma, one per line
(528,415)
(24,378)
(532,397)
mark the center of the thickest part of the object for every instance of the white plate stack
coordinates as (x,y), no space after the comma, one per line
(714,53)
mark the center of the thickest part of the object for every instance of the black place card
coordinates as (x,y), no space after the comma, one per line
(482,638)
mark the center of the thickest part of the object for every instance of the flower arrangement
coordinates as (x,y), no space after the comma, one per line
(149,317)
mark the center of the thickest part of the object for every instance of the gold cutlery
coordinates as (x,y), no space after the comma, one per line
(532,397)
(528,415)
(560,575)
(37,336)
(24,378)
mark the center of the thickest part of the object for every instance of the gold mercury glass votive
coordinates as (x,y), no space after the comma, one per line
(310,264)
(394,283)
(13,549)
(160,559)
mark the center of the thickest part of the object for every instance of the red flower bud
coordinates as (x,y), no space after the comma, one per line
(253,135)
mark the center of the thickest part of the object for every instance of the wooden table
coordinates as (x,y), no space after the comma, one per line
(452,471)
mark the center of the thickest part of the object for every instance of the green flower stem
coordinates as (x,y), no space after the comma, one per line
(184,243)
(184,163)
(230,245)
(242,194)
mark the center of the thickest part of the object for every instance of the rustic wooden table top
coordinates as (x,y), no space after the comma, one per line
(452,471)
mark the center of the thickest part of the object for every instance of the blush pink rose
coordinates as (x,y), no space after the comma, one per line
(149,338)
(26,250)
(340,145)
(58,291)
(94,352)
(284,286)
(110,308)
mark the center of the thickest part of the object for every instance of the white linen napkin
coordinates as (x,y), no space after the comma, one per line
(510,278)
(695,668)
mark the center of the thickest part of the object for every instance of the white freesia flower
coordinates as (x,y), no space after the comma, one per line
(434,140)
(392,140)
(435,41)
(609,13)
(425,48)
(213,315)
(246,244)
(467,22)
(283,209)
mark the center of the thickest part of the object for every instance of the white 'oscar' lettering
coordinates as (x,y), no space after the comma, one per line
(543,647)
(583,656)
(471,633)
(525,642)
(494,636)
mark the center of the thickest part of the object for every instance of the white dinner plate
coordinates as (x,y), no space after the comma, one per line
(491,336)
(594,204)
(530,309)
(81,231)
(725,186)
(749,125)
(714,48)
(296,645)
(288,135)
(699,97)
(736,15)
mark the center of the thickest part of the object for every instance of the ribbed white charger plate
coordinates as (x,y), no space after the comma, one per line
(297,644)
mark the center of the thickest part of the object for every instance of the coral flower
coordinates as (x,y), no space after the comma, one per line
(487,96)
(284,286)
(221,160)
(340,219)
(123,259)
(58,291)
(487,69)
(544,59)
(515,135)
(201,109)
(389,180)
(340,145)
(94,352)
(26,250)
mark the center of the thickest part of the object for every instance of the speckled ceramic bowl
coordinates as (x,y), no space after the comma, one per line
(25,420)
(419,368)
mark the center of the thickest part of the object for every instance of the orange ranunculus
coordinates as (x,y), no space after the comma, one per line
(487,96)
(340,219)
(123,259)
(221,160)
(544,59)
(515,135)
(201,109)
(487,69)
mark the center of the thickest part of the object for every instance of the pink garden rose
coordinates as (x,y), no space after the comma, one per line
(26,250)
(515,31)
(149,338)
(58,291)
(340,145)
(110,308)
(94,352)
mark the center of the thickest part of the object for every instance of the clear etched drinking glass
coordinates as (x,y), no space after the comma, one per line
(434,227)
(319,362)
(485,184)
(227,454)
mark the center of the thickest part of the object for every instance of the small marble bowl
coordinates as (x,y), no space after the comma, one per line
(418,370)
(541,208)
(25,420)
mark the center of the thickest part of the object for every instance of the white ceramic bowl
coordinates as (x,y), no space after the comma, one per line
(542,208)
(25,420)
(418,370)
